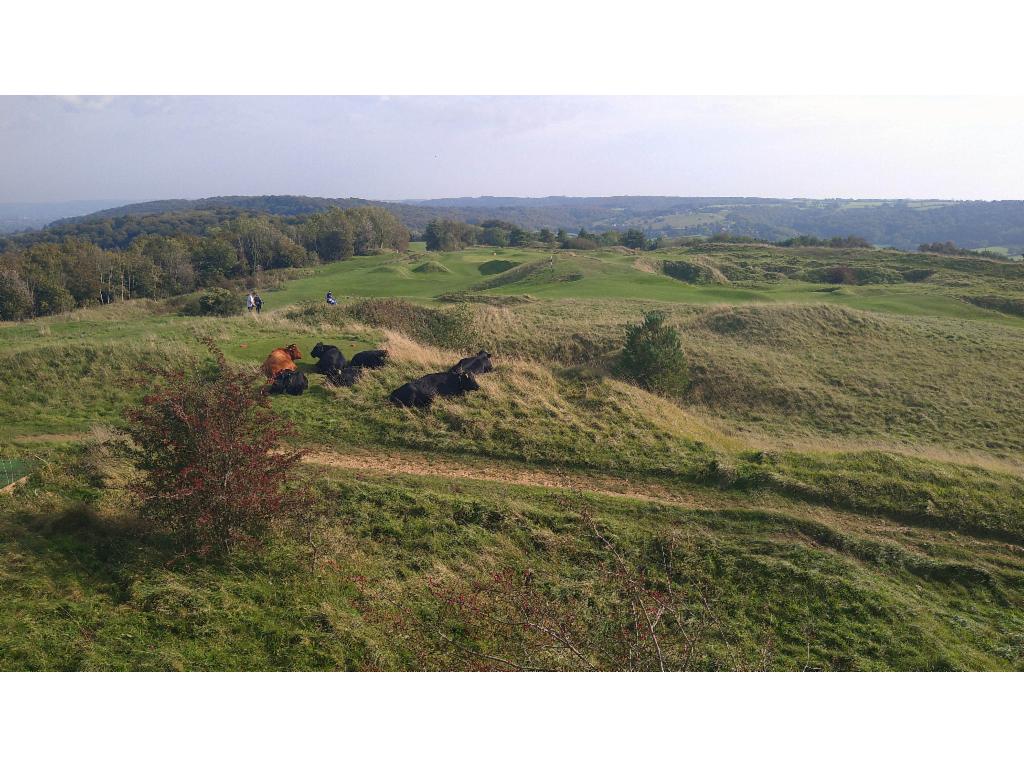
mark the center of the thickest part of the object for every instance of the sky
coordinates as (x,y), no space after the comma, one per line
(393,148)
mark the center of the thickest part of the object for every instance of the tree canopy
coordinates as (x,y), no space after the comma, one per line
(127,260)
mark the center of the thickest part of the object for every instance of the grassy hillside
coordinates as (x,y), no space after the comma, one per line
(893,282)
(838,488)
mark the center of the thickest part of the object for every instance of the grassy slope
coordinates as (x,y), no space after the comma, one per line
(790,587)
(858,559)
(803,373)
(609,275)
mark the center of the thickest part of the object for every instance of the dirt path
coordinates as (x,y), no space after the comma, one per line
(391,462)
(69,437)
(8,489)
(405,463)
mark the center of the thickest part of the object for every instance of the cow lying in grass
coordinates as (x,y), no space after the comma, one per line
(421,392)
(331,363)
(329,358)
(289,382)
(477,364)
(345,377)
(281,359)
(371,358)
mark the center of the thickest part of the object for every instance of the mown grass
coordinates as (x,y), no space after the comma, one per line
(757,274)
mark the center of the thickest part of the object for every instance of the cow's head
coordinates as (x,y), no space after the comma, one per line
(293,352)
(483,353)
(467,383)
(318,349)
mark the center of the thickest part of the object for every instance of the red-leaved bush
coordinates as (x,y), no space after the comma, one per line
(207,445)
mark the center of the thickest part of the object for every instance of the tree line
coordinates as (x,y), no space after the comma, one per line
(947,248)
(44,278)
(450,235)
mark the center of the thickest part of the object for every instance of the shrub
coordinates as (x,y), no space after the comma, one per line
(850,241)
(948,248)
(843,274)
(213,301)
(15,296)
(207,448)
(495,236)
(580,244)
(634,238)
(1005,304)
(693,272)
(452,328)
(917,275)
(445,235)
(50,299)
(653,356)
(839,275)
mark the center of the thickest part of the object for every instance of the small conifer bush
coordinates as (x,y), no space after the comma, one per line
(653,356)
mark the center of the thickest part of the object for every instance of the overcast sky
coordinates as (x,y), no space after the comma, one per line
(144,148)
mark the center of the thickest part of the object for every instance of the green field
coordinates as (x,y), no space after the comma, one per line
(839,487)
(609,275)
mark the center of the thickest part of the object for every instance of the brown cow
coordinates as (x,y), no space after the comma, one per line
(281,359)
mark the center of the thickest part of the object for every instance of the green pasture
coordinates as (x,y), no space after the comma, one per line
(607,275)
(838,487)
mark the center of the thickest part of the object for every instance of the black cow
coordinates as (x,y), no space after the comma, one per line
(330,358)
(421,392)
(290,382)
(477,364)
(345,377)
(371,358)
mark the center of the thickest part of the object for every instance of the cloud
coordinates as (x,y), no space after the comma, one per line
(86,103)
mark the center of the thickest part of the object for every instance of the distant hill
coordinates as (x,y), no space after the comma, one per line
(19,217)
(213,210)
(901,224)
(280,205)
(617,202)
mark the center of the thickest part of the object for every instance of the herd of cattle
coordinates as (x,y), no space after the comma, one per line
(284,377)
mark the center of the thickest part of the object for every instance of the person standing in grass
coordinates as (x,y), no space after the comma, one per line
(257,302)
(250,302)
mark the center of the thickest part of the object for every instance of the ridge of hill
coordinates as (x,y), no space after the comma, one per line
(22,217)
(902,224)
